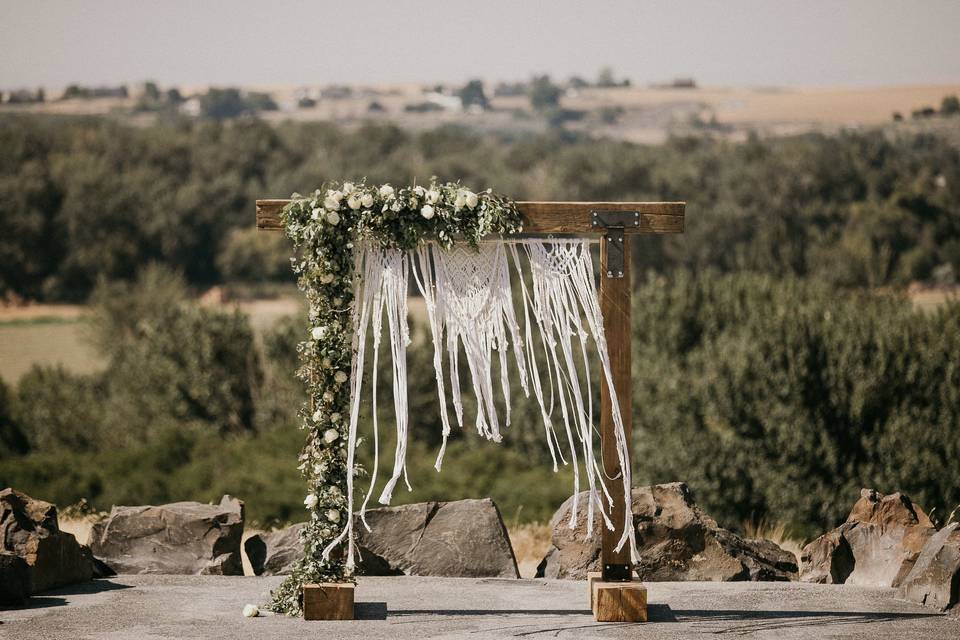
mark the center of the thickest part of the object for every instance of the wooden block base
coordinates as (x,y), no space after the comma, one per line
(328,601)
(593,576)
(618,601)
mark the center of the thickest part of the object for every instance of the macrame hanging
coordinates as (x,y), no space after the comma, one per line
(470,304)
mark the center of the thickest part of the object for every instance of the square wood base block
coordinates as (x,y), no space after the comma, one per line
(618,601)
(328,601)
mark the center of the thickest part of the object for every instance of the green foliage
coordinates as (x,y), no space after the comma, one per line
(783,398)
(251,256)
(83,199)
(220,104)
(544,95)
(950,106)
(56,409)
(472,95)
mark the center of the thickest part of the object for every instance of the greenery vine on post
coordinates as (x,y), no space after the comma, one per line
(324,228)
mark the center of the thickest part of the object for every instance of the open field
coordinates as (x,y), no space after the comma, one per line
(649,114)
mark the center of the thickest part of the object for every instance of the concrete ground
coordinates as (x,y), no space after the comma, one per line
(154,607)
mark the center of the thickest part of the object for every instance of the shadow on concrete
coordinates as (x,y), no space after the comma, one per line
(491,612)
(60,597)
(741,621)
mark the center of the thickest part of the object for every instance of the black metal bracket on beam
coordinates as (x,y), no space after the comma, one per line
(616,573)
(614,222)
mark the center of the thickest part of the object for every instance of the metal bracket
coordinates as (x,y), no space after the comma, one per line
(614,222)
(616,573)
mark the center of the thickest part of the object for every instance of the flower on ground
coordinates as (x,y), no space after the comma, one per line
(251,611)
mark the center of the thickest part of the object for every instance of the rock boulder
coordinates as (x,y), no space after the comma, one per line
(465,538)
(934,579)
(177,538)
(877,545)
(675,540)
(14,579)
(29,529)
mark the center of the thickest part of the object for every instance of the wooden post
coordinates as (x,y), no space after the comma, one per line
(615,307)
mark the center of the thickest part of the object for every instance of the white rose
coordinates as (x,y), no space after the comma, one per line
(366,200)
(317,415)
(386,191)
(395,206)
(419,190)
(340,377)
(311,501)
(328,396)
(330,435)
(348,187)
(334,417)
(318,332)
(333,515)
(316,213)
(353,202)
(459,202)
(427,211)
(331,203)
(333,217)
(433,196)
(251,611)
(336,195)
(334,492)
(327,363)
(472,199)
(319,468)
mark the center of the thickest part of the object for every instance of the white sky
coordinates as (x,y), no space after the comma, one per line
(723,42)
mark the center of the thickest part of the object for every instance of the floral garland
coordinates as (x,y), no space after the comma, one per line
(323,228)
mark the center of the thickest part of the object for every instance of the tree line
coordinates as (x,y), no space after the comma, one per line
(88,198)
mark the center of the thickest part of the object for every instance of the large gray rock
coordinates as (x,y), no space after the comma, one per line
(273,553)
(877,545)
(934,579)
(14,579)
(177,538)
(465,538)
(30,530)
(676,541)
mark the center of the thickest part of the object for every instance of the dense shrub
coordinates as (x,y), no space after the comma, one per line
(784,398)
(83,198)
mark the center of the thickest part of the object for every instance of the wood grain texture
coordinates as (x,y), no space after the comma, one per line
(615,307)
(619,602)
(593,576)
(328,601)
(549,217)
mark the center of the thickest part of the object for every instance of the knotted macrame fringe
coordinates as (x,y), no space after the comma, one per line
(469,302)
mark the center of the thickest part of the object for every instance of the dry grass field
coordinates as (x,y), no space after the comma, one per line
(648,115)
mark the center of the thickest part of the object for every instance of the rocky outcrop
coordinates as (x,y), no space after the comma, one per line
(177,538)
(14,579)
(877,545)
(465,538)
(934,579)
(675,540)
(29,529)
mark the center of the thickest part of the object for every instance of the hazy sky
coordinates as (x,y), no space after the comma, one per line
(723,42)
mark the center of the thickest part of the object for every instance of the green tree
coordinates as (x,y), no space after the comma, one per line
(544,95)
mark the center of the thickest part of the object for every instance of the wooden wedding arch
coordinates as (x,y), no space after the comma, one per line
(614,595)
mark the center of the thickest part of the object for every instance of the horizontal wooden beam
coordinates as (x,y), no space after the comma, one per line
(550,217)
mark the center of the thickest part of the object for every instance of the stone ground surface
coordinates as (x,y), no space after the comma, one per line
(154,607)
